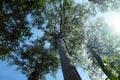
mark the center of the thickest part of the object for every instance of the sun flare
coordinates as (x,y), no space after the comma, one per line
(113,20)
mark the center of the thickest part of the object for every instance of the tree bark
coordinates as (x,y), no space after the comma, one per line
(68,69)
(100,63)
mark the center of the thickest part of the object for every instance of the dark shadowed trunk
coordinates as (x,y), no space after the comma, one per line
(34,75)
(99,61)
(68,69)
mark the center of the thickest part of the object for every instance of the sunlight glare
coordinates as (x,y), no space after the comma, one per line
(113,20)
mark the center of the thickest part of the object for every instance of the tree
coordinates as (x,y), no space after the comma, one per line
(60,17)
(35,61)
(102,44)
(96,1)
(58,27)
(14,26)
(62,22)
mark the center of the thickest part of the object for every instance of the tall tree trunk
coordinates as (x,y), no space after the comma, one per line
(99,61)
(68,69)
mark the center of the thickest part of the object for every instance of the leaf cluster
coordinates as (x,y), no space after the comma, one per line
(36,57)
(14,26)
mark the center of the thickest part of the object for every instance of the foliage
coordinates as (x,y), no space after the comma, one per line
(107,5)
(100,37)
(66,22)
(58,15)
(14,26)
(113,66)
(58,19)
(36,57)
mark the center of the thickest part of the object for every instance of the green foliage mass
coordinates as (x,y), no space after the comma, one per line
(14,26)
(35,58)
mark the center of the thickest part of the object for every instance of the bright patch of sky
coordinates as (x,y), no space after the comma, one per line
(81,1)
(36,33)
(113,20)
(47,44)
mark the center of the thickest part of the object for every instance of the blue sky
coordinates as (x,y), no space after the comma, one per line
(10,73)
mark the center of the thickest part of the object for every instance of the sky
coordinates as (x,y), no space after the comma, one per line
(10,73)
(81,1)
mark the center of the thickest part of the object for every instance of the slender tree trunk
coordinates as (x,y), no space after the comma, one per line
(34,75)
(68,69)
(99,61)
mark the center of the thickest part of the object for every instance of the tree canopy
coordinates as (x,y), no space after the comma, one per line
(14,26)
(35,61)
(69,29)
